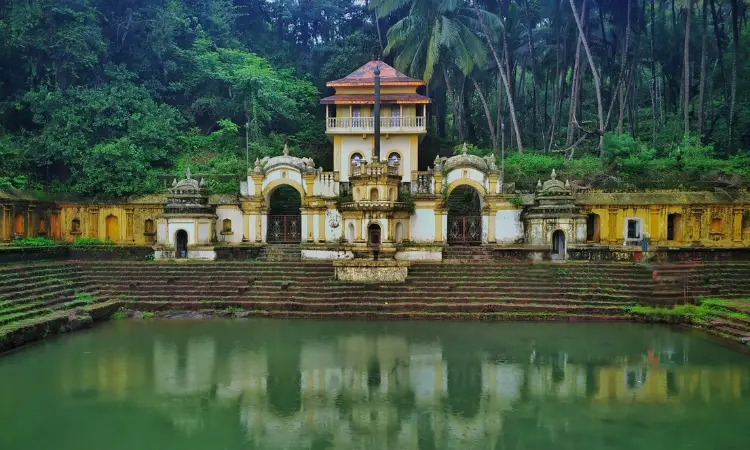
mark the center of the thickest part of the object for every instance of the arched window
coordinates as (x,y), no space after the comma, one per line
(356,159)
(374,195)
(394,159)
(148,226)
(226,226)
(75,226)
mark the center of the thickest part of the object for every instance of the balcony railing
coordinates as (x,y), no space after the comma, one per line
(422,182)
(373,170)
(365,124)
(376,205)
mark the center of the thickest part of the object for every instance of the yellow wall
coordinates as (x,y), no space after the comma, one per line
(696,223)
(93,220)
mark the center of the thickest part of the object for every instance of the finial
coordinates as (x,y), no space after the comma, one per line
(257,162)
(539,184)
(174,182)
(202,183)
(286,150)
(187,173)
(464,149)
(554,175)
(377,70)
(567,184)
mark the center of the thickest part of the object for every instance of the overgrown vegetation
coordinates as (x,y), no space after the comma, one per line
(34,242)
(99,97)
(698,313)
(81,241)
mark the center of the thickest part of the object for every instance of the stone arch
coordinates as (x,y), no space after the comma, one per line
(112,228)
(226,226)
(392,194)
(374,194)
(467,182)
(374,233)
(464,206)
(350,157)
(351,233)
(148,226)
(275,184)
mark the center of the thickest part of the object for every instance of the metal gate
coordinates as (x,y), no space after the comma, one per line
(284,228)
(465,230)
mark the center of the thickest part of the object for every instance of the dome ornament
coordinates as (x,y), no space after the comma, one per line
(187,173)
(554,175)
(286,150)
(464,149)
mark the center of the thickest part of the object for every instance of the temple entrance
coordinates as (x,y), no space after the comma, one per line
(373,235)
(464,206)
(284,218)
(674,227)
(181,243)
(558,245)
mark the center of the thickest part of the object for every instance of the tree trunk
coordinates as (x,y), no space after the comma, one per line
(653,75)
(594,73)
(574,88)
(534,110)
(455,105)
(488,116)
(686,68)
(621,84)
(504,78)
(735,62)
(702,89)
(717,34)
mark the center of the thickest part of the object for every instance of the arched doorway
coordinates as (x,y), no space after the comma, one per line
(558,245)
(674,227)
(464,206)
(284,219)
(113,228)
(374,235)
(592,228)
(181,243)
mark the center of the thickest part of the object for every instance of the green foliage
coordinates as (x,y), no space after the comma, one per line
(93,241)
(33,242)
(148,315)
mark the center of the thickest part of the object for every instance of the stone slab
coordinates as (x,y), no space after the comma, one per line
(371,272)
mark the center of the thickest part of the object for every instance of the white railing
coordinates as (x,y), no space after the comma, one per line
(387,124)
(372,169)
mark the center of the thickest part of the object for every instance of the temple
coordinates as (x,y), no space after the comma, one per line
(377,204)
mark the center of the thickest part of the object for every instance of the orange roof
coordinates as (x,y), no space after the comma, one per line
(365,76)
(369,99)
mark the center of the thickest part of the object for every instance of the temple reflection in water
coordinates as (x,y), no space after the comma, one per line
(387,391)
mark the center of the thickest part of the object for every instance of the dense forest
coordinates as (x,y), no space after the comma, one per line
(100,97)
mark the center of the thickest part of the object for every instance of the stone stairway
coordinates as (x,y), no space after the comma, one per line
(281,252)
(466,289)
(467,253)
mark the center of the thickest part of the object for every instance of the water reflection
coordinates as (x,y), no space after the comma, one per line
(392,390)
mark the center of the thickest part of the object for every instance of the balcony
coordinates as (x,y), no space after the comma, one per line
(367,125)
(373,169)
(377,206)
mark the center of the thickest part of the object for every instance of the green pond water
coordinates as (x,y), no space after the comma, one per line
(279,384)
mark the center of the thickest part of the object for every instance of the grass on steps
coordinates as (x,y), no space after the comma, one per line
(699,313)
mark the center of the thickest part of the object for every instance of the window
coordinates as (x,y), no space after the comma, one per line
(226,226)
(75,226)
(18,225)
(374,195)
(716,225)
(394,159)
(395,115)
(356,159)
(356,116)
(148,226)
(633,229)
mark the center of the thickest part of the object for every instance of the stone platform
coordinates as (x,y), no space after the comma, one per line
(371,272)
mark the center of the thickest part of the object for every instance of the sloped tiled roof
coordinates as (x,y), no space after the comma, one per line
(369,99)
(365,75)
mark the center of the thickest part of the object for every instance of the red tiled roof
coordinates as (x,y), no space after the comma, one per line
(369,99)
(365,75)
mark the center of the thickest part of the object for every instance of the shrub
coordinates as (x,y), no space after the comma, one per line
(34,242)
(93,241)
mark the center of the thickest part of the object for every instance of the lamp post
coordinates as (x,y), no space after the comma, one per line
(376,112)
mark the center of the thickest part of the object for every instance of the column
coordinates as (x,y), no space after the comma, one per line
(737,225)
(697,215)
(492,217)
(129,225)
(407,231)
(389,222)
(245,222)
(29,230)
(654,228)
(612,227)
(259,227)
(438,226)
(310,226)
(322,226)
(358,228)
(4,211)
(94,222)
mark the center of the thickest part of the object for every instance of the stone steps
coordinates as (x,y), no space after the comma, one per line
(384,307)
